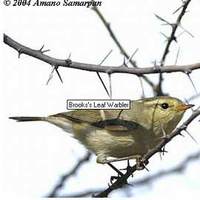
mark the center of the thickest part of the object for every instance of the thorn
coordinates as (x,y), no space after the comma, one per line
(108,54)
(41,48)
(51,75)
(191,136)
(186,31)
(69,56)
(43,51)
(19,52)
(98,74)
(188,74)
(167,38)
(124,62)
(161,19)
(110,85)
(180,34)
(177,10)
(142,86)
(59,74)
(181,134)
(130,58)
(146,168)
(154,63)
(177,55)
(103,84)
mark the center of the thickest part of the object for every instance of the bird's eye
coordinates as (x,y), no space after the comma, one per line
(165,105)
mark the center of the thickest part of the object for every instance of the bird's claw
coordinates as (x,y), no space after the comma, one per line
(141,164)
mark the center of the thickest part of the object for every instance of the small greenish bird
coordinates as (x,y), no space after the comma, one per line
(115,135)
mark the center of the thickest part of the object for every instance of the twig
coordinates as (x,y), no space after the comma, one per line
(119,45)
(96,68)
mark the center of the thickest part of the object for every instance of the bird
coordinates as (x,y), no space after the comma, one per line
(115,135)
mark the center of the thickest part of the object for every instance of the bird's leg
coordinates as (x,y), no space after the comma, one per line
(128,166)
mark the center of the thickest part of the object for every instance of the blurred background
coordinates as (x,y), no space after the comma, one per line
(36,155)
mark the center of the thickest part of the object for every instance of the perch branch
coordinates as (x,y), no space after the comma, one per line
(179,169)
(121,181)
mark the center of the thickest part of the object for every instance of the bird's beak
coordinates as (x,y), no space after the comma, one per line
(183,107)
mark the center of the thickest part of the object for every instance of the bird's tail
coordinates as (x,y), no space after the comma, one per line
(27,119)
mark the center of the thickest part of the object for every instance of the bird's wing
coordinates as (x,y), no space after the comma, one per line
(116,125)
(108,119)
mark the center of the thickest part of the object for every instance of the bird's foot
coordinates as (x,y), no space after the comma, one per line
(141,164)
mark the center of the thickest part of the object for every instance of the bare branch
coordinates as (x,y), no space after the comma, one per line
(96,68)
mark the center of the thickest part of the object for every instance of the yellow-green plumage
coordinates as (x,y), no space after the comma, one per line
(121,134)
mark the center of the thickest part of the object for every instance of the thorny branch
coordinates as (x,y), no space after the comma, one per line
(170,39)
(119,45)
(122,180)
(65,177)
(21,49)
(180,168)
